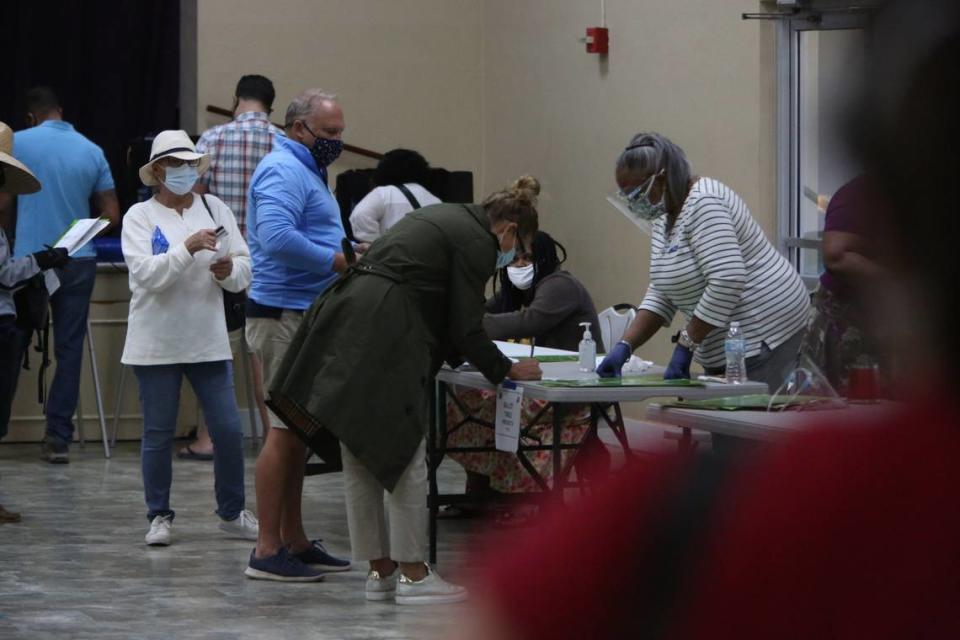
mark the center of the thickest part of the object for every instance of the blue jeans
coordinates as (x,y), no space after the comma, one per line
(69,305)
(212,382)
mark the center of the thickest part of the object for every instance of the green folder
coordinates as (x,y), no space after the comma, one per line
(649,380)
(556,358)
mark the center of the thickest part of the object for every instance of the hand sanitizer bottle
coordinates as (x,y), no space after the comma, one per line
(588,349)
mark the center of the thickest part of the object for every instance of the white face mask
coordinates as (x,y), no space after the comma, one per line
(521,277)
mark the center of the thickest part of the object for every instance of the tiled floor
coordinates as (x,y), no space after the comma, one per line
(76,567)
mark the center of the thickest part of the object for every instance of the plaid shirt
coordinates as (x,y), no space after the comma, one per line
(235,149)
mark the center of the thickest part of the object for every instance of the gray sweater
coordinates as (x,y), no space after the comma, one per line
(13,273)
(560,303)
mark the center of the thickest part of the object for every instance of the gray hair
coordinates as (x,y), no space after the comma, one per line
(649,153)
(304,104)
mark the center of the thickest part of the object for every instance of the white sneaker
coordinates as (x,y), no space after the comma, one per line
(243,526)
(381,588)
(159,534)
(431,590)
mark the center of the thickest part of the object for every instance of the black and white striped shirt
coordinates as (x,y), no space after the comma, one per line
(717,264)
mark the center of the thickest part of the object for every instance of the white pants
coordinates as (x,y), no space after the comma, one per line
(406,540)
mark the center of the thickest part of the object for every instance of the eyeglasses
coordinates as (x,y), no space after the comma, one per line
(179,162)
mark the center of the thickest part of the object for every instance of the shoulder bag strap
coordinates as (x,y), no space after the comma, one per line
(409,196)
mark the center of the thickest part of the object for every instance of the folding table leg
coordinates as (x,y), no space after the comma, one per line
(96,393)
(248,385)
(558,451)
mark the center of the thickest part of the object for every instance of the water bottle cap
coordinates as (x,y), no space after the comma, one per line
(735,324)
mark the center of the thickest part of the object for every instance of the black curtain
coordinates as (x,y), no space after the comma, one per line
(115,65)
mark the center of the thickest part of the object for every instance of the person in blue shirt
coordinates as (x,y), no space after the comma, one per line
(294,231)
(73,170)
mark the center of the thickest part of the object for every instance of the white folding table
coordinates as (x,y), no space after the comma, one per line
(600,399)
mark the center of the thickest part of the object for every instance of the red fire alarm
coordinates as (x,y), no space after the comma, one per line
(598,40)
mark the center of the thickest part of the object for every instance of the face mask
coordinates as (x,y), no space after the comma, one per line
(505,258)
(521,277)
(180,179)
(325,151)
(638,202)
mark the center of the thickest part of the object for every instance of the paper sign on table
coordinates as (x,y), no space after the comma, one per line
(509,411)
(80,233)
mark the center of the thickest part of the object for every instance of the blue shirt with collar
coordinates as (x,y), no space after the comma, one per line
(71,169)
(293,228)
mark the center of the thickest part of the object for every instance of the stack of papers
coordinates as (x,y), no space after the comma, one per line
(80,233)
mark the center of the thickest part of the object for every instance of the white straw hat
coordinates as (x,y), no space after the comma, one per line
(16,177)
(174,144)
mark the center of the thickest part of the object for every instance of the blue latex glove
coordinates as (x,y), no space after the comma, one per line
(679,366)
(614,361)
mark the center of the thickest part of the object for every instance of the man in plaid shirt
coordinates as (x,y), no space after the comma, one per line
(236,148)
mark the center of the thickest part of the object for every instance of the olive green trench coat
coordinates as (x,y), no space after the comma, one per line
(362,365)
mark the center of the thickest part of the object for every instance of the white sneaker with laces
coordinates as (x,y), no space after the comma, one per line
(431,590)
(159,534)
(379,588)
(244,526)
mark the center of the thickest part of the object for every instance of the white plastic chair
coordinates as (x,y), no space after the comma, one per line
(614,322)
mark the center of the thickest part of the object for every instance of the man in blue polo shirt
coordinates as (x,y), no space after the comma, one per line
(72,170)
(294,232)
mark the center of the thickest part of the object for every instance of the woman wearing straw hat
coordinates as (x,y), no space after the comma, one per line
(15,178)
(183,250)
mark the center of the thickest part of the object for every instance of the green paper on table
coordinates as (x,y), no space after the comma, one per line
(757,401)
(650,380)
(556,358)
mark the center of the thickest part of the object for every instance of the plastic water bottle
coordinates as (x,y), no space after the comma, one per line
(735,348)
(588,349)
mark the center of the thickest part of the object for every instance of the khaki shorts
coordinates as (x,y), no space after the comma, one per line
(269,340)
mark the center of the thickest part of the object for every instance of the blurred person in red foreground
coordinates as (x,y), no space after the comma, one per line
(844,531)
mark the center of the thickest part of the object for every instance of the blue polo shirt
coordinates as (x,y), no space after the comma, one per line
(293,228)
(71,169)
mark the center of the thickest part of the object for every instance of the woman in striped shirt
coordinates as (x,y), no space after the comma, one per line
(711,261)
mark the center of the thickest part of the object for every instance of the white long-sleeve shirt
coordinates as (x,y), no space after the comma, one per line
(384,207)
(716,264)
(176,310)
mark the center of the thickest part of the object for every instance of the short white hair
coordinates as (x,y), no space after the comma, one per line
(304,104)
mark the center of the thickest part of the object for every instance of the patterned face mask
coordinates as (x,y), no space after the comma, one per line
(324,150)
(638,200)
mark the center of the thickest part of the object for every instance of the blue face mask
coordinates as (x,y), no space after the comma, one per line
(180,179)
(504,258)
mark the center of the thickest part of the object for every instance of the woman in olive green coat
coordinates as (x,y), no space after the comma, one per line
(363,362)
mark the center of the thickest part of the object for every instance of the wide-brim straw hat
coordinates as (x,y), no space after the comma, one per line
(17,178)
(172,144)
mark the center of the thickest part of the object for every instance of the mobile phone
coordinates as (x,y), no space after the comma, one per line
(220,232)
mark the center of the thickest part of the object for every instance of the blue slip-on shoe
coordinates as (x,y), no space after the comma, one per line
(282,567)
(316,557)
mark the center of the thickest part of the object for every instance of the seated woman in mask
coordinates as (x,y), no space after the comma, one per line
(535,299)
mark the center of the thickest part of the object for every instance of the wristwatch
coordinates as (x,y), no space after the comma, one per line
(684,340)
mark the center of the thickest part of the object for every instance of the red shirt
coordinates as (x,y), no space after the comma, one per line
(845,531)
